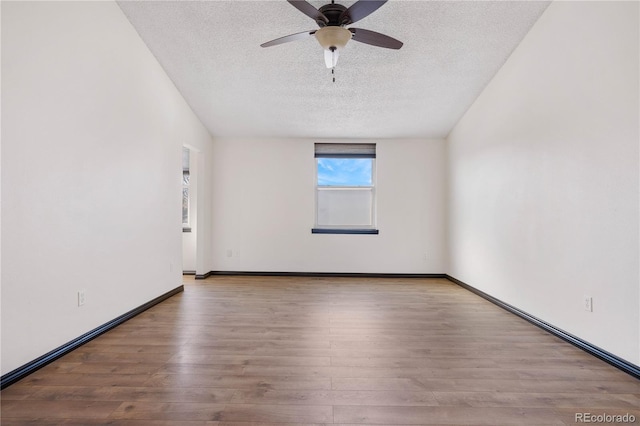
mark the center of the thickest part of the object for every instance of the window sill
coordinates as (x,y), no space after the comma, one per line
(344,231)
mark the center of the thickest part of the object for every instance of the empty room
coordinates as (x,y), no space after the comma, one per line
(234,213)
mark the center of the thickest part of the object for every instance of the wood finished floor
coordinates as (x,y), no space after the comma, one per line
(242,351)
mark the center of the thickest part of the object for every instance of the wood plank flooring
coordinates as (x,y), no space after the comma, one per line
(240,351)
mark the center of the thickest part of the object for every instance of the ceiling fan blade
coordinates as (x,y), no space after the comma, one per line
(290,37)
(309,10)
(359,10)
(375,39)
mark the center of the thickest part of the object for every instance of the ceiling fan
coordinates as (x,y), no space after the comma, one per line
(333,36)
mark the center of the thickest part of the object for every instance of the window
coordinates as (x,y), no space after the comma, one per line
(186,179)
(345,189)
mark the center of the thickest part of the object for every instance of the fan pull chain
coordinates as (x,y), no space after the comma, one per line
(333,74)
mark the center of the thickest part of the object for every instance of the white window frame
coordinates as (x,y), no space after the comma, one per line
(371,228)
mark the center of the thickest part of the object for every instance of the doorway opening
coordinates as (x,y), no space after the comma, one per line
(189,210)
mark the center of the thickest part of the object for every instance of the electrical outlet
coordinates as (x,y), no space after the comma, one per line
(426,256)
(229,253)
(588,303)
(81,297)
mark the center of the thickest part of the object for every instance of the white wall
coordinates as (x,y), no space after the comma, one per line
(544,177)
(264,193)
(91,164)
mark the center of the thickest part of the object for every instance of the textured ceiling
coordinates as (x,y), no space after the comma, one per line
(211,50)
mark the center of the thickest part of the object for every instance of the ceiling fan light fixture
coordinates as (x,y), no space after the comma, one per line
(332,39)
(329,37)
(332,36)
(331,57)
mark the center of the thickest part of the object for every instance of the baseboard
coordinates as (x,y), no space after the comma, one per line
(608,357)
(203,276)
(188,272)
(318,274)
(36,364)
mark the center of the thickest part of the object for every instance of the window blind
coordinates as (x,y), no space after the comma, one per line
(345,150)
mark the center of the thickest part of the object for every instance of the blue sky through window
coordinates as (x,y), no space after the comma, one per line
(344,171)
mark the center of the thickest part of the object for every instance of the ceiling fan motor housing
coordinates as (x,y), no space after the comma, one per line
(335,14)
